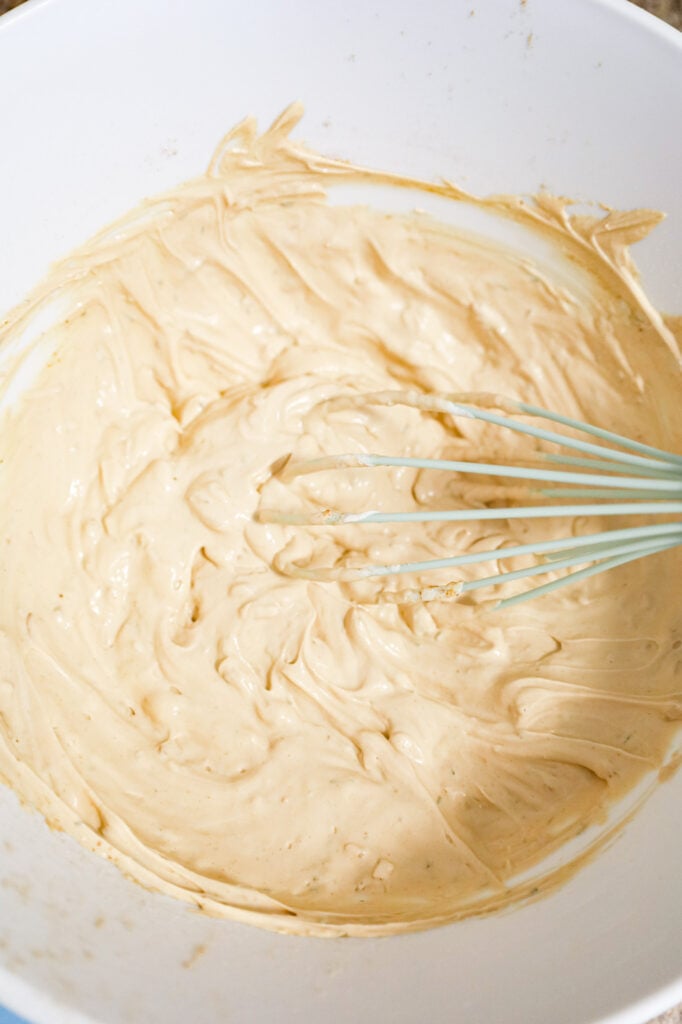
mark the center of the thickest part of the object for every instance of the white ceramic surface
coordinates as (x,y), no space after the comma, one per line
(104,102)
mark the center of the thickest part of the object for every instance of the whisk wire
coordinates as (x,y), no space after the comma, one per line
(581,574)
(599,542)
(605,435)
(453,405)
(348,461)
(331,517)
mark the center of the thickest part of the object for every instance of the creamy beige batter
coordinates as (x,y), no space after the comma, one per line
(294,753)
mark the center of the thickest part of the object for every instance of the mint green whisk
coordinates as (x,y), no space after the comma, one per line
(620,477)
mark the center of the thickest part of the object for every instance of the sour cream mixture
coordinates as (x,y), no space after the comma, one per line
(297,754)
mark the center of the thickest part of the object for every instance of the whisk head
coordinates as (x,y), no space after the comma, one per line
(595,472)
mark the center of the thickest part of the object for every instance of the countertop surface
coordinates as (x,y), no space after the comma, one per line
(670,11)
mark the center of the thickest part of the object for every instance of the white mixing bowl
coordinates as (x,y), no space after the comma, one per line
(104,102)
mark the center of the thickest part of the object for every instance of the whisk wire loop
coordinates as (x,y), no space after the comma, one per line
(640,480)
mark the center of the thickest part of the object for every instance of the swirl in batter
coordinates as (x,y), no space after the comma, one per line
(287,752)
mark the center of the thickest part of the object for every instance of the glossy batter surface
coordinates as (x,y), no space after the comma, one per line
(293,753)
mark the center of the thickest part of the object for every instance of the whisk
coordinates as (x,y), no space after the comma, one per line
(617,477)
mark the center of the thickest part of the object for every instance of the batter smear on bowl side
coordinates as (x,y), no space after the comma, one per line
(292,753)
